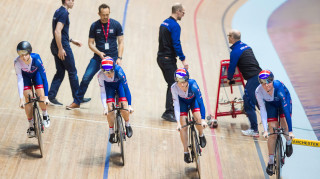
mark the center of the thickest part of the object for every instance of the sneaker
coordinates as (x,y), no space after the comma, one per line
(73,106)
(112,139)
(46,121)
(85,100)
(129,131)
(168,117)
(203,141)
(55,102)
(289,150)
(269,169)
(250,132)
(187,158)
(31,132)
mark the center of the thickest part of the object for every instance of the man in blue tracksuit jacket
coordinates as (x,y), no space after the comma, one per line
(243,57)
(169,49)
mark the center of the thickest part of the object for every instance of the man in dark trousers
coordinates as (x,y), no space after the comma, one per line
(61,50)
(105,36)
(169,49)
(243,57)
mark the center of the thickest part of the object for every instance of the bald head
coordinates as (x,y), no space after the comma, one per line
(235,34)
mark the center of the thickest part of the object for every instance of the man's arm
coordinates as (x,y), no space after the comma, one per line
(57,35)
(120,49)
(94,48)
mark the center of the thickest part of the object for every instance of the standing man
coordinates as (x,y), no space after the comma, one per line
(61,50)
(243,57)
(169,49)
(103,37)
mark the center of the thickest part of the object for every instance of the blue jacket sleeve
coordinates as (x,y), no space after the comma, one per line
(234,58)
(124,83)
(196,90)
(286,105)
(43,75)
(175,35)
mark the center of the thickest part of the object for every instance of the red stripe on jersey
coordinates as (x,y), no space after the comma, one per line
(196,110)
(272,119)
(183,114)
(110,100)
(39,86)
(27,88)
(122,99)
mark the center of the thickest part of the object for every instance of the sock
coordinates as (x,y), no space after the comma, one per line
(271,158)
(202,135)
(288,142)
(30,122)
(127,123)
(186,152)
(45,112)
(111,130)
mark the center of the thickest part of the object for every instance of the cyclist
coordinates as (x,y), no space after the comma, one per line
(186,95)
(273,97)
(112,78)
(30,71)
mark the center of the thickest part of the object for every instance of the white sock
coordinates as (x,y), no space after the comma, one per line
(289,142)
(271,158)
(111,130)
(186,152)
(202,135)
(30,122)
(44,112)
(127,123)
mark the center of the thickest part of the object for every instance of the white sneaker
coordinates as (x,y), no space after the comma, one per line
(31,132)
(46,121)
(250,132)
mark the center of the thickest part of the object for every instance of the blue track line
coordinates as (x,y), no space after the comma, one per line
(106,165)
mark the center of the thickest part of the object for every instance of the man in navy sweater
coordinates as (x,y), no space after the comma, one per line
(243,57)
(169,49)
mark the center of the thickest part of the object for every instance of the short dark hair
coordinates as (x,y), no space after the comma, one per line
(177,7)
(63,1)
(103,6)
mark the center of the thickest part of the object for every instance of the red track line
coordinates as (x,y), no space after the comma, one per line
(215,145)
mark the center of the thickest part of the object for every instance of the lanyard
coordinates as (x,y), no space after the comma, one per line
(106,35)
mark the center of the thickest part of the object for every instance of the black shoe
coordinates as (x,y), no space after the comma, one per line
(85,100)
(46,121)
(31,132)
(55,102)
(169,117)
(203,141)
(289,150)
(187,158)
(112,139)
(129,131)
(269,169)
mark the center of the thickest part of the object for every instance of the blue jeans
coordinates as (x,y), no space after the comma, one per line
(250,101)
(61,66)
(92,69)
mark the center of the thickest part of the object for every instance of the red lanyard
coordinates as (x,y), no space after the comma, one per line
(106,35)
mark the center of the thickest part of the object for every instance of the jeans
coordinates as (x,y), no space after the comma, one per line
(250,101)
(92,69)
(168,66)
(61,66)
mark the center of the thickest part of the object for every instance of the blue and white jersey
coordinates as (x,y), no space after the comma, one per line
(30,71)
(193,93)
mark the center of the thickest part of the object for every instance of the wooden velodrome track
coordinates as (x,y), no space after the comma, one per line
(76,142)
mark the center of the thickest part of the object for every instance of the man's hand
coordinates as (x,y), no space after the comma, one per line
(185,64)
(102,55)
(62,54)
(265,134)
(21,105)
(119,62)
(131,109)
(178,126)
(230,82)
(105,111)
(46,100)
(76,42)
(204,123)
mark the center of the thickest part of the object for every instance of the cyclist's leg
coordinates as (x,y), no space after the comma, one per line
(284,125)
(184,131)
(124,102)
(38,85)
(110,92)
(272,114)
(197,116)
(28,108)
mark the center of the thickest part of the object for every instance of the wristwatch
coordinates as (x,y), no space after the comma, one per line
(120,58)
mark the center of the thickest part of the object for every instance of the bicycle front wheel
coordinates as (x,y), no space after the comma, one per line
(38,128)
(278,161)
(121,136)
(196,150)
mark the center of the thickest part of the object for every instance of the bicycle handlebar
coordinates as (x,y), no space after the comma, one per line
(35,99)
(118,108)
(278,131)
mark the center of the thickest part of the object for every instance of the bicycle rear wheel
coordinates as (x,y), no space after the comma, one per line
(196,150)
(121,137)
(278,161)
(38,128)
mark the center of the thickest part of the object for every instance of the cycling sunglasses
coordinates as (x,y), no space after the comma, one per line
(108,72)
